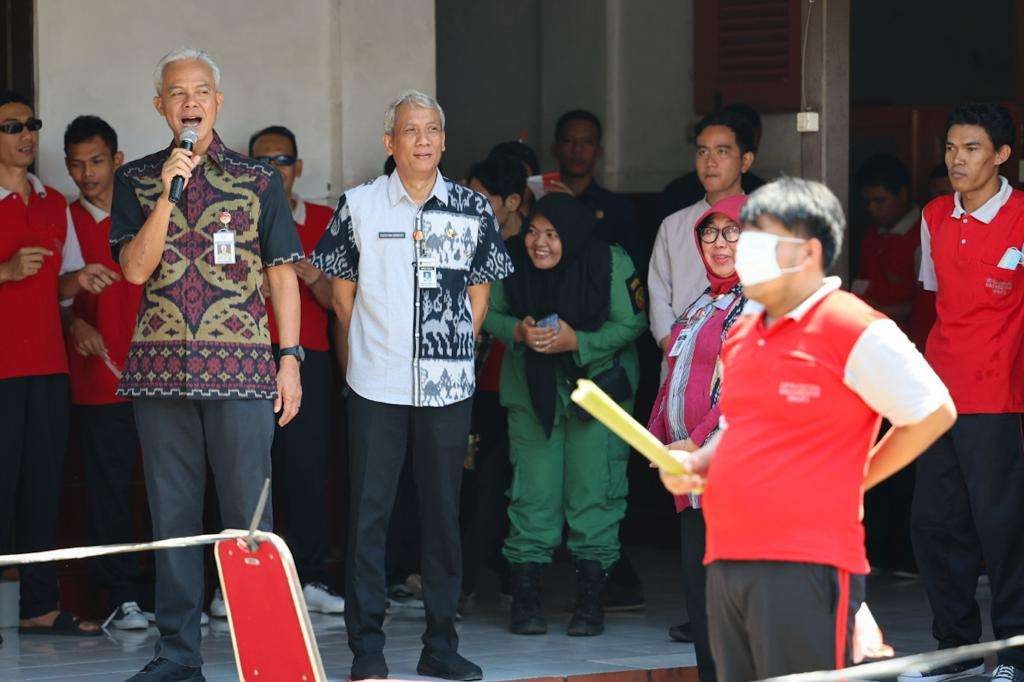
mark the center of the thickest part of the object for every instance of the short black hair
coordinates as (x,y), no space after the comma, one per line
(746,111)
(13,97)
(517,150)
(940,171)
(500,175)
(274,130)
(884,170)
(87,127)
(804,207)
(577,115)
(994,118)
(735,122)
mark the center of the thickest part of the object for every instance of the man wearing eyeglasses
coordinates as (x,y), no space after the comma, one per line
(301,447)
(40,267)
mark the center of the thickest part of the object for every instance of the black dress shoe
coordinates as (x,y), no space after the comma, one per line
(681,633)
(369,667)
(448,665)
(164,670)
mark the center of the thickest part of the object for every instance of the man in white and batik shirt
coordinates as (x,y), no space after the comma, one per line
(412,256)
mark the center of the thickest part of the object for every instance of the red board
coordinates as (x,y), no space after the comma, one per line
(270,628)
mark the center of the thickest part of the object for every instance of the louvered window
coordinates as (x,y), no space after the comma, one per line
(747,51)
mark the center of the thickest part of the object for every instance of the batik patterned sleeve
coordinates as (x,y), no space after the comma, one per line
(126,217)
(279,240)
(337,253)
(490,260)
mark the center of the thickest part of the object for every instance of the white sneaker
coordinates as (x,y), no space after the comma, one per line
(127,616)
(1008,673)
(954,671)
(322,599)
(217,607)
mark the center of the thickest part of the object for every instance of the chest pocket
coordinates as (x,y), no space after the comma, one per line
(450,239)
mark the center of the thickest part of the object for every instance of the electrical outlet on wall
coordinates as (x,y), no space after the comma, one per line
(807,122)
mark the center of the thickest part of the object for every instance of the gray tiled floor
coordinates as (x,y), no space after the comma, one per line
(632,640)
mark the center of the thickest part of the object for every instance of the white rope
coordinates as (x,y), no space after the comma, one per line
(71,553)
(895,666)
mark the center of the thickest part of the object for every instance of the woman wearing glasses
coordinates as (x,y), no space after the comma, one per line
(686,410)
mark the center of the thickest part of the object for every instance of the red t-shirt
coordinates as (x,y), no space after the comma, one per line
(33,342)
(977,343)
(786,480)
(113,313)
(313,332)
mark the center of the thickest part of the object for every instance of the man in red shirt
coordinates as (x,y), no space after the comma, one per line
(40,266)
(301,447)
(968,512)
(807,379)
(98,339)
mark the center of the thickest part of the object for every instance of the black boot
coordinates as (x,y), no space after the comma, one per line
(589,617)
(527,618)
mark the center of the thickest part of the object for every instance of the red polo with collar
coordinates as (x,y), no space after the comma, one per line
(112,313)
(785,483)
(313,329)
(33,338)
(975,345)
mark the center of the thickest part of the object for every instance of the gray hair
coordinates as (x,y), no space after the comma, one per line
(413,98)
(180,55)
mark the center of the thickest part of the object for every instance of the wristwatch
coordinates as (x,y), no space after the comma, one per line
(296,352)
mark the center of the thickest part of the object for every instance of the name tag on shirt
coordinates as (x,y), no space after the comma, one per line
(391,235)
(1011,259)
(677,347)
(426,278)
(224,247)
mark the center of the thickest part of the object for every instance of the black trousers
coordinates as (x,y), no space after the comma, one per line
(34,416)
(179,437)
(694,534)
(771,618)
(378,435)
(968,513)
(300,471)
(110,445)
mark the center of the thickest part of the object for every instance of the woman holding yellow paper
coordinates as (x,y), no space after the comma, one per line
(686,410)
(572,309)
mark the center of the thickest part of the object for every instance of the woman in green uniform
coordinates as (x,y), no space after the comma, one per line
(572,309)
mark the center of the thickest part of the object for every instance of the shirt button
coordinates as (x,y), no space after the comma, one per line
(965,220)
(760,342)
(963,241)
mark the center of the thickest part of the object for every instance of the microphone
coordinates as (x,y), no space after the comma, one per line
(189,137)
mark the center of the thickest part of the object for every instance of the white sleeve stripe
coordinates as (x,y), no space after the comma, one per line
(71,255)
(889,374)
(927,271)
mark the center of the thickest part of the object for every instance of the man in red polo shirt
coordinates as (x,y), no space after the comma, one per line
(807,379)
(40,266)
(968,512)
(98,339)
(301,447)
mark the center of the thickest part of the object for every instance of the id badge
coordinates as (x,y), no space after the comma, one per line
(224,247)
(426,278)
(1011,259)
(677,347)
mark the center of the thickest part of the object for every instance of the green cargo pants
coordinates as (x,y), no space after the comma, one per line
(578,476)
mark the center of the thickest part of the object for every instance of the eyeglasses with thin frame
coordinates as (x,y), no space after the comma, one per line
(279,160)
(15,127)
(709,235)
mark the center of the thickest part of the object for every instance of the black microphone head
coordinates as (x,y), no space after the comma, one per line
(189,137)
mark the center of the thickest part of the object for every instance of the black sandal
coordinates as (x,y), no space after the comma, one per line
(65,624)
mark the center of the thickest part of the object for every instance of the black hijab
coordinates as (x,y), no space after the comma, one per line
(577,289)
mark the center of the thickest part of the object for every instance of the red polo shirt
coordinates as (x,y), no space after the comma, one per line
(888,261)
(976,342)
(33,340)
(112,313)
(803,400)
(311,221)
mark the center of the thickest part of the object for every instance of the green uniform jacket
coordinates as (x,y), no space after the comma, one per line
(627,320)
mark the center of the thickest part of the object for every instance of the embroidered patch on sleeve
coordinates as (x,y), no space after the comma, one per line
(637,295)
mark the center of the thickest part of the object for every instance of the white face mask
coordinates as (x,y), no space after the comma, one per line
(757,260)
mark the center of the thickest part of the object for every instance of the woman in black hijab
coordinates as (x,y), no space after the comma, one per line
(572,309)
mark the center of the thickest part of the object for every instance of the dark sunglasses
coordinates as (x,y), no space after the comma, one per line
(279,160)
(709,235)
(15,127)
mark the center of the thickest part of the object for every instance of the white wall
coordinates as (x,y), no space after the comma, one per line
(324,68)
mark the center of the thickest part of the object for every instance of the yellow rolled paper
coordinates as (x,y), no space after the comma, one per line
(595,401)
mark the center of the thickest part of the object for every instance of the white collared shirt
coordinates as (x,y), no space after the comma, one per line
(984,213)
(71,255)
(97,213)
(677,276)
(410,345)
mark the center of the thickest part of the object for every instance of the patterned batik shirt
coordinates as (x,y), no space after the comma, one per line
(412,345)
(202,327)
